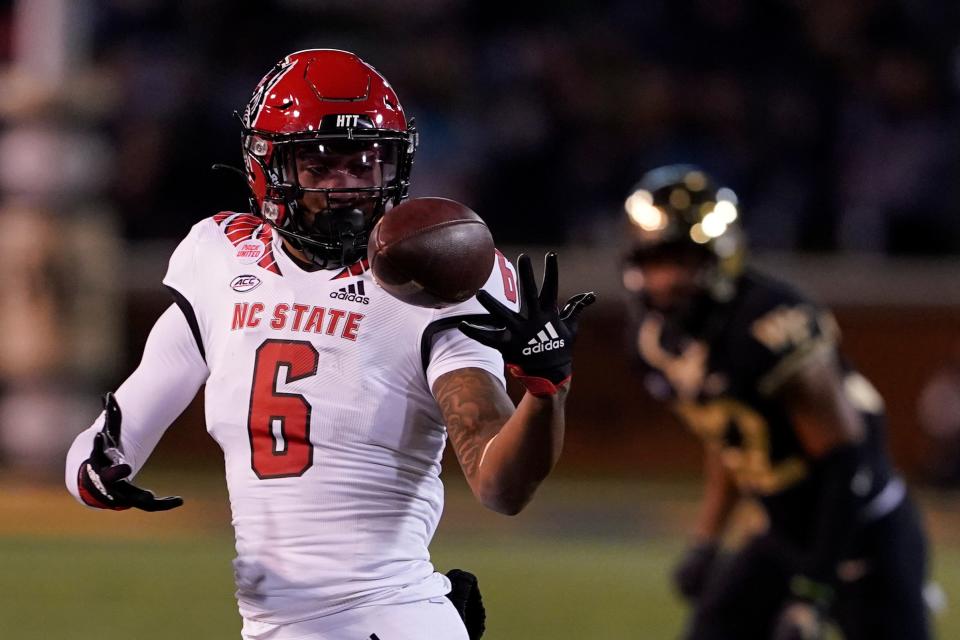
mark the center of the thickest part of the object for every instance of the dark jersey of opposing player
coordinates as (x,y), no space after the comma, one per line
(723,379)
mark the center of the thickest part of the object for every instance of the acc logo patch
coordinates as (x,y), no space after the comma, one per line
(244,283)
(250,251)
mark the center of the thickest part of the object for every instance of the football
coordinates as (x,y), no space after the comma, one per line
(431,252)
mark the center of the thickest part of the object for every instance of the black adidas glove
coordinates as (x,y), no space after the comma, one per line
(102,478)
(465,596)
(691,574)
(537,343)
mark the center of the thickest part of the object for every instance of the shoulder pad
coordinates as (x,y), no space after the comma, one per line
(252,237)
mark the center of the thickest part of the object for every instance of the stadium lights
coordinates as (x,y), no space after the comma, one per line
(642,213)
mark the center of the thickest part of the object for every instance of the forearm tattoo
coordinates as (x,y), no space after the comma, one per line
(475,407)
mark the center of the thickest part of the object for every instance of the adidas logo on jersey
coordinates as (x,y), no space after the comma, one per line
(547,340)
(351,293)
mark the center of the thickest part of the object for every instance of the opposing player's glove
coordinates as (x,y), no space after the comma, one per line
(537,342)
(102,478)
(804,615)
(465,596)
(800,620)
(691,573)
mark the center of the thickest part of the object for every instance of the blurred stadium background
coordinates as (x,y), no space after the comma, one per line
(835,120)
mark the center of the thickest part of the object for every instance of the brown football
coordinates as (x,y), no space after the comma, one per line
(431,252)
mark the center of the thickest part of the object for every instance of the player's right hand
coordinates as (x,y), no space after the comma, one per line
(537,342)
(800,620)
(691,573)
(102,478)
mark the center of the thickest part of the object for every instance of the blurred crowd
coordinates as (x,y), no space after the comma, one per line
(835,120)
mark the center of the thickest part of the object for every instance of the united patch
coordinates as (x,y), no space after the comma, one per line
(252,238)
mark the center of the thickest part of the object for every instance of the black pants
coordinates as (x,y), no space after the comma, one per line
(882,599)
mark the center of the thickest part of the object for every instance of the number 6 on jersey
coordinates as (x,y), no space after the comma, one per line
(279,423)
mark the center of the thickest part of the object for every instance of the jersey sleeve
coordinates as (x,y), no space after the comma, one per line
(183,281)
(167,379)
(785,333)
(445,348)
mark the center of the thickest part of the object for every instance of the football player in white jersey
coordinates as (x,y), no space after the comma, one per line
(332,401)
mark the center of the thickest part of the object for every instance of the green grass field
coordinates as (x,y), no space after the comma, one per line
(85,589)
(560,572)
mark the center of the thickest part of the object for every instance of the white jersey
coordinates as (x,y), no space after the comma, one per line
(319,394)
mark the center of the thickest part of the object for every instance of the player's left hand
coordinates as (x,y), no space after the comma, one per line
(691,573)
(465,596)
(537,342)
(800,620)
(102,477)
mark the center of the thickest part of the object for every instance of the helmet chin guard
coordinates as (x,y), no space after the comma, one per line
(331,104)
(346,231)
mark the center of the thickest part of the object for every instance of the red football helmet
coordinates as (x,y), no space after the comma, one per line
(327,148)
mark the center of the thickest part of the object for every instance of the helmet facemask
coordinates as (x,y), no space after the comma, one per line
(670,278)
(325,193)
(339,189)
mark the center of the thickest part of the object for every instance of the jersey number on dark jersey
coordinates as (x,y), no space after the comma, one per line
(743,438)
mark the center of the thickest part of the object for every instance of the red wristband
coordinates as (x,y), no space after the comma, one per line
(539,387)
(89,498)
